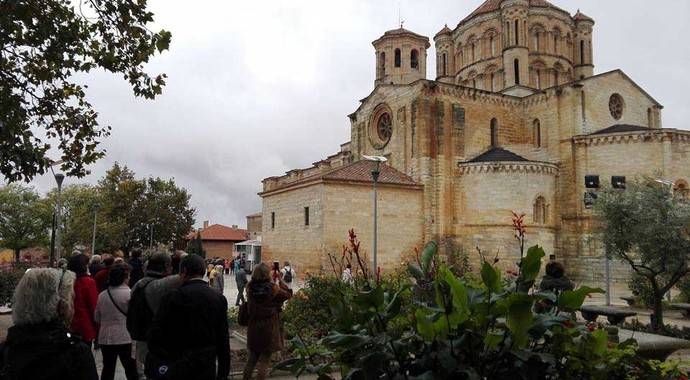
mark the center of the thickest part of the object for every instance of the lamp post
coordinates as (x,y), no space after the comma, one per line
(375,176)
(59,177)
(96,206)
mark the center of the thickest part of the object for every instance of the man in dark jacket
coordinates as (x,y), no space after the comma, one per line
(190,329)
(137,265)
(241,281)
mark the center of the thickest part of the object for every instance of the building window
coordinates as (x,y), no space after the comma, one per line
(273,220)
(494,133)
(444,64)
(540,215)
(537,79)
(536,132)
(414,58)
(555,44)
(616,106)
(517,32)
(491,82)
(516,67)
(555,78)
(582,52)
(382,65)
(536,41)
(473,55)
(492,43)
(306,216)
(397,58)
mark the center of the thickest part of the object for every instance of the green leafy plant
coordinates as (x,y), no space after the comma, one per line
(464,329)
(9,278)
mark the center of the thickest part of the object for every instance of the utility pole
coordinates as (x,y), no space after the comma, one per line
(375,173)
(59,177)
(93,239)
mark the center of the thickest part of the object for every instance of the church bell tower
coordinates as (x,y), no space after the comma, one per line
(400,57)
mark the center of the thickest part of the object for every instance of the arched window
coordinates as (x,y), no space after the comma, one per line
(536,133)
(414,59)
(555,43)
(382,65)
(474,57)
(444,64)
(536,41)
(582,52)
(494,133)
(507,40)
(540,214)
(397,58)
(491,82)
(517,32)
(492,44)
(537,78)
(516,67)
(681,189)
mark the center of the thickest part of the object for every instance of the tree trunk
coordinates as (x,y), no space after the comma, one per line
(657,321)
(17,253)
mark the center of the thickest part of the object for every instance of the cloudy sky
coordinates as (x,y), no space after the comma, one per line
(257,88)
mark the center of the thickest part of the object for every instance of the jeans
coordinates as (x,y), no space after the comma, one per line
(240,296)
(110,355)
(264,364)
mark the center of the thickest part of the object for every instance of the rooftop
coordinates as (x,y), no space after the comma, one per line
(498,155)
(494,5)
(360,171)
(220,232)
(620,128)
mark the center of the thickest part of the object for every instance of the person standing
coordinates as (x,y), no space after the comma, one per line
(218,281)
(39,346)
(264,331)
(241,281)
(140,313)
(190,330)
(288,275)
(137,267)
(101,277)
(347,275)
(95,265)
(111,314)
(85,298)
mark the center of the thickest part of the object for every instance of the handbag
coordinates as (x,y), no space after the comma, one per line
(115,303)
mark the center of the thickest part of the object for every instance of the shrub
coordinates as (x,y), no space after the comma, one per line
(9,278)
(641,290)
(233,312)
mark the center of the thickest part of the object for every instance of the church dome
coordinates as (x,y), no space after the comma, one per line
(444,31)
(579,16)
(494,5)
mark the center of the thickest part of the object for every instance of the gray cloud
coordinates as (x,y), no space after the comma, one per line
(257,88)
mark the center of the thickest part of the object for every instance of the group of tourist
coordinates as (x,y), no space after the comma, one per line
(160,316)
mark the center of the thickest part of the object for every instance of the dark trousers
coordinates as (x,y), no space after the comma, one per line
(240,296)
(110,355)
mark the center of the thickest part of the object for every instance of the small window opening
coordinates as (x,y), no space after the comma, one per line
(397,58)
(517,32)
(582,52)
(273,220)
(306,216)
(494,133)
(536,126)
(516,67)
(414,59)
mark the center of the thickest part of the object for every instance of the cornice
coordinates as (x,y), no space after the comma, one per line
(658,135)
(529,167)
(474,94)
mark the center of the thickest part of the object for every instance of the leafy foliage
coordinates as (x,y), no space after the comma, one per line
(9,278)
(24,218)
(647,227)
(196,246)
(43,46)
(466,330)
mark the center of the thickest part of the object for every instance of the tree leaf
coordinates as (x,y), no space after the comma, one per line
(491,277)
(531,263)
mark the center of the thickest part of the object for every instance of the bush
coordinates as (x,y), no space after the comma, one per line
(9,278)
(641,290)
(233,313)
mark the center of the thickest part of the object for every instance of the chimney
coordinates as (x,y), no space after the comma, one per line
(234,226)
(205,224)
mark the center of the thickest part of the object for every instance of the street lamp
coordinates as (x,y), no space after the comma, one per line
(59,177)
(96,206)
(375,176)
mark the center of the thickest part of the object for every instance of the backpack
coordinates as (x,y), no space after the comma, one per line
(139,314)
(288,276)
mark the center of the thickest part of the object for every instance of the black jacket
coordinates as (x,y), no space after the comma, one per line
(137,272)
(190,319)
(46,352)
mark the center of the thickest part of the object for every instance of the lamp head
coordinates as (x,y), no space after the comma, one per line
(375,158)
(59,177)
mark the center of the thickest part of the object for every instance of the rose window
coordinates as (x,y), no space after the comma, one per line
(384,127)
(616,106)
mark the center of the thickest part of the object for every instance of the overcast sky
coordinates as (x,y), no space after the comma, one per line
(257,88)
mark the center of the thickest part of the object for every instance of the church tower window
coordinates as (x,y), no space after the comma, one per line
(516,67)
(540,215)
(397,58)
(414,59)
(517,32)
(536,132)
(494,133)
(582,52)
(492,43)
(444,64)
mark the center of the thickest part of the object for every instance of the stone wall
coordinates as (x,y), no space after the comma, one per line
(254,226)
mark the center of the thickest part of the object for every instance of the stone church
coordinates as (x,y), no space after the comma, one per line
(516,120)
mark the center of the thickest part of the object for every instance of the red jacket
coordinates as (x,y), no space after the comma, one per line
(101,279)
(85,298)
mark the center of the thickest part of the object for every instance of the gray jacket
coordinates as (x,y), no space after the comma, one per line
(113,322)
(240,278)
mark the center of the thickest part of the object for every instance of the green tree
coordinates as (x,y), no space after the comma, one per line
(43,46)
(196,246)
(166,207)
(76,216)
(24,218)
(647,227)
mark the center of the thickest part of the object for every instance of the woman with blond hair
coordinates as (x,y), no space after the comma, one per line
(39,346)
(216,280)
(264,330)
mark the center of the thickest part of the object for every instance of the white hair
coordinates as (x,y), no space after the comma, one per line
(219,268)
(96,259)
(37,298)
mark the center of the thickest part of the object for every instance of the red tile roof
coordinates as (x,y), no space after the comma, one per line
(360,171)
(220,232)
(494,5)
